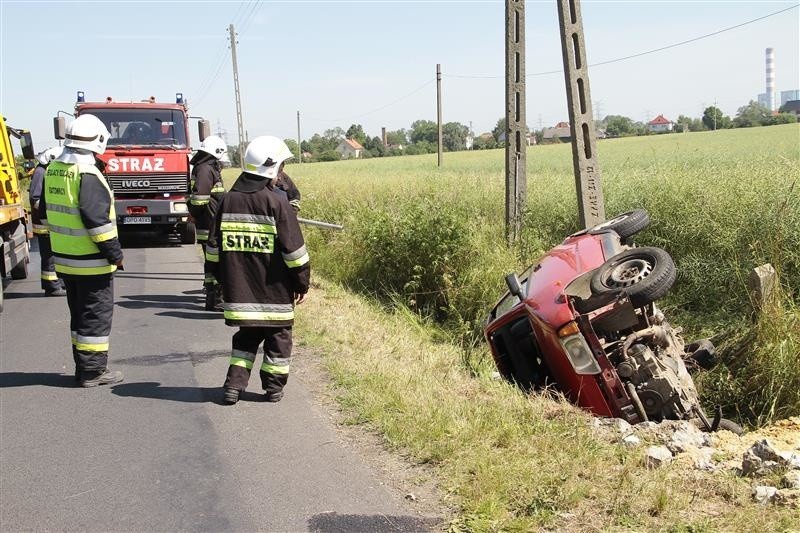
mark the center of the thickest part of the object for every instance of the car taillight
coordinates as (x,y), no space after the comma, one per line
(578,351)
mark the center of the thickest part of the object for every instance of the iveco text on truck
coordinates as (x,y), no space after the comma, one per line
(146,161)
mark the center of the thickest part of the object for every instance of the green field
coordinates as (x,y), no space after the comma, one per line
(720,202)
(397,309)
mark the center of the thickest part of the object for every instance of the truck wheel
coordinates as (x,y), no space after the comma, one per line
(626,225)
(20,270)
(188,233)
(724,423)
(645,274)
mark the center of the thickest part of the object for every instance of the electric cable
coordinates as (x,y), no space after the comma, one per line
(654,50)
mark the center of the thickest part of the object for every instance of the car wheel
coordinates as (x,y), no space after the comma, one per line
(645,274)
(724,423)
(625,225)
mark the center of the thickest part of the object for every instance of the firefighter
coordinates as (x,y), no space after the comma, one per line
(51,285)
(207,191)
(286,184)
(78,208)
(260,256)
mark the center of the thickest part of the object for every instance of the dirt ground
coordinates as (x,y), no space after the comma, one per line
(784,435)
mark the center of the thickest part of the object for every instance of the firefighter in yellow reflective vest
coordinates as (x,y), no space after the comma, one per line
(78,207)
(207,191)
(51,285)
(262,263)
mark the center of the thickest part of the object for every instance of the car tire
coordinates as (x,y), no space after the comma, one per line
(188,233)
(645,274)
(625,225)
(724,423)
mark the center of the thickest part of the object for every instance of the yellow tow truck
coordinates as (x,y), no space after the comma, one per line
(14,224)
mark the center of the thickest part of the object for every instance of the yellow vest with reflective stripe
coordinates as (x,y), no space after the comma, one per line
(68,235)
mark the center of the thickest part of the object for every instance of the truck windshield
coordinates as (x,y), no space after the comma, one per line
(144,127)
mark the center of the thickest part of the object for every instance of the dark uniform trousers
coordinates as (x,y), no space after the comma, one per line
(91,305)
(48,265)
(277,352)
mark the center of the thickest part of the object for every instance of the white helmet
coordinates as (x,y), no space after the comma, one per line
(214,145)
(88,133)
(45,157)
(264,156)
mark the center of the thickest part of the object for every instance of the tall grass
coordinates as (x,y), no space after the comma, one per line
(721,203)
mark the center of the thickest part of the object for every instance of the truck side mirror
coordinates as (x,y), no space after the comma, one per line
(26,143)
(59,127)
(203,129)
(514,286)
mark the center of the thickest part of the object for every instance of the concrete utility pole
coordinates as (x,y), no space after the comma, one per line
(439,107)
(238,97)
(299,150)
(579,101)
(516,127)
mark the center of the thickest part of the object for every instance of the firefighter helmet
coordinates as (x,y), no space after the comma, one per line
(215,146)
(264,156)
(45,157)
(88,133)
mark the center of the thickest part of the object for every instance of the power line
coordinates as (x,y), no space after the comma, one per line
(632,56)
(415,91)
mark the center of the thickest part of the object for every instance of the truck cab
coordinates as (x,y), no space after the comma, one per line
(14,226)
(146,162)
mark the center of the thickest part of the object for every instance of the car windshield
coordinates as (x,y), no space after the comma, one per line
(508,300)
(144,127)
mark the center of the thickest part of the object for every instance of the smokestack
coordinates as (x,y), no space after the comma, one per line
(383,137)
(771,78)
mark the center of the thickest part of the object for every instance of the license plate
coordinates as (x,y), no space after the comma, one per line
(136,220)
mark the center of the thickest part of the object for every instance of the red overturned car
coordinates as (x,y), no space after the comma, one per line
(584,321)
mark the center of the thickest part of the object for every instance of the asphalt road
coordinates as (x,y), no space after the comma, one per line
(159,452)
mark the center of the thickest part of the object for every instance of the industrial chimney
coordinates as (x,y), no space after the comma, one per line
(771,78)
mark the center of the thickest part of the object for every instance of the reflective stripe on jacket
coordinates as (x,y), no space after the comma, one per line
(75,247)
(257,250)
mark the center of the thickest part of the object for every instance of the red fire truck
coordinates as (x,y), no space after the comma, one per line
(146,161)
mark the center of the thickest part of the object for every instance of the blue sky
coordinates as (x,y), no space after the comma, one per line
(373,63)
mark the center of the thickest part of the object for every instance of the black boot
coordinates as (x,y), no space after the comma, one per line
(106,377)
(230,396)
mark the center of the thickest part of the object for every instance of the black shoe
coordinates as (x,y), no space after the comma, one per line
(273,397)
(230,396)
(56,292)
(108,377)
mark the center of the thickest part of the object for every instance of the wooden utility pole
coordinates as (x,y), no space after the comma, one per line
(238,97)
(439,108)
(299,149)
(579,101)
(516,127)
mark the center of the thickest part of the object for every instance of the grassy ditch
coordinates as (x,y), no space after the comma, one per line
(505,461)
(721,203)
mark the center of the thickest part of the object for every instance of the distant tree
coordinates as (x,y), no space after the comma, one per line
(691,124)
(619,126)
(328,155)
(397,137)
(356,131)
(454,136)
(424,130)
(334,134)
(374,146)
(713,118)
(233,155)
(484,142)
(292,145)
(499,129)
(752,114)
(782,118)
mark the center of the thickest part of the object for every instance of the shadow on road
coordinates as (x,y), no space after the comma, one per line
(346,523)
(154,390)
(29,379)
(193,316)
(169,358)
(166,301)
